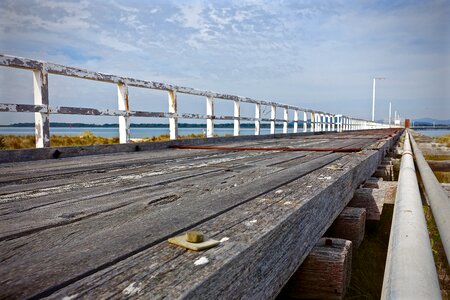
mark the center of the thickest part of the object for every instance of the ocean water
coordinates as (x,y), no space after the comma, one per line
(434,132)
(135,132)
(150,132)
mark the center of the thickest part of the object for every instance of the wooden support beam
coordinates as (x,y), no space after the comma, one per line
(385,171)
(442,166)
(349,225)
(370,199)
(372,183)
(325,273)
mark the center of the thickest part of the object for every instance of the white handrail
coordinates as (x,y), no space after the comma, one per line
(318,120)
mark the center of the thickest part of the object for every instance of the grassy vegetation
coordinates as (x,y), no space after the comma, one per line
(444,139)
(86,138)
(442,266)
(8,142)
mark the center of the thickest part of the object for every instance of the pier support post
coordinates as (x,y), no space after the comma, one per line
(325,273)
(41,119)
(349,225)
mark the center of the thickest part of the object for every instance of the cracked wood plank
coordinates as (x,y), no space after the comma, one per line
(264,241)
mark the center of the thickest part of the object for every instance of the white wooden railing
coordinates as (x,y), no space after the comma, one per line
(315,120)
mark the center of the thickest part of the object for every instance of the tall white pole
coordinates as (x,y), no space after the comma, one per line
(373,98)
(373,101)
(390,112)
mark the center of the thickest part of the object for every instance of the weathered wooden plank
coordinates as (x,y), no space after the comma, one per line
(442,166)
(118,234)
(34,210)
(29,172)
(17,172)
(20,155)
(46,208)
(141,220)
(272,234)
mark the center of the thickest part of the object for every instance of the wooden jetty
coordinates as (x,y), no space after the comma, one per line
(96,226)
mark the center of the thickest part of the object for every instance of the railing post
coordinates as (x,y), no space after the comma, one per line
(285,120)
(237,116)
(295,121)
(339,123)
(313,122)
(124,123)
(322,122)
(258,119)
(41,120)
(173,121)
(210,114)
(305,121)
(318,125)
(273,115)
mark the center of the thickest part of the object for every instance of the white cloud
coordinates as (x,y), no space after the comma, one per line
(281,50)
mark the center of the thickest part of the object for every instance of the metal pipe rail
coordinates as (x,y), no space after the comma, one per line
(410,270)
(439,201)
(315,120)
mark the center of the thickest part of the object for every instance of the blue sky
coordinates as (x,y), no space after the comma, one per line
(314,54)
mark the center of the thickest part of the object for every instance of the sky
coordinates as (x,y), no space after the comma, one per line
(315,54)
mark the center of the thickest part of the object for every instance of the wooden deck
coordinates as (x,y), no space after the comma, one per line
(97,226)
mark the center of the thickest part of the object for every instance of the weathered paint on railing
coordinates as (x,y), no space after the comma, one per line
(317,121)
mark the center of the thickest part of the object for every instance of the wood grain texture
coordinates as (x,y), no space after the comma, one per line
(325,273)
(272,207)
(349,225)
